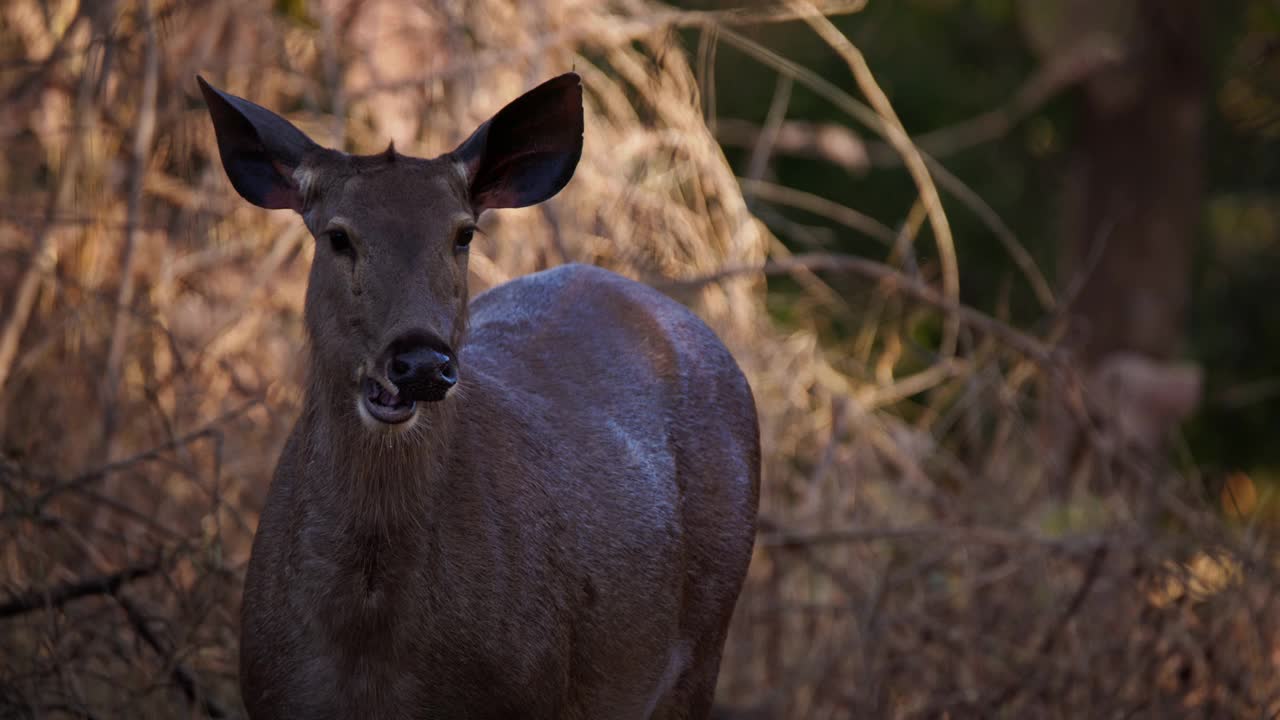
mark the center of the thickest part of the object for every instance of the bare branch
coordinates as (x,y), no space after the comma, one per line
(890,280)
(180,674)
(60,595)
(142,134)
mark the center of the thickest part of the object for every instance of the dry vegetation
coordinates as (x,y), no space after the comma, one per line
(930,544)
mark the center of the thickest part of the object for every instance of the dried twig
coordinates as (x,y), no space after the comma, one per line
(56,597)
(44,246)
(891,281)
(951,534)
(865,115)
(768,138)
(1055,630)
(1067,69)
(829,142)
(209,429)
(179,673)
(144,128)
(897,136)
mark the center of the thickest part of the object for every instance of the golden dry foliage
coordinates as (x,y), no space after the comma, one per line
(929,547)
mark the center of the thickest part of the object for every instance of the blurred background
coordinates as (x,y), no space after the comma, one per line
(1000,273)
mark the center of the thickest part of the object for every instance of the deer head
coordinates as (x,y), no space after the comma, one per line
(386,304)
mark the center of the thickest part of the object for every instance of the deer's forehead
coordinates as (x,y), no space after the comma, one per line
(367,192)
(401,187)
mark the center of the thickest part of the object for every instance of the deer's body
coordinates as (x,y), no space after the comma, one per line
(568,546)
(562,535)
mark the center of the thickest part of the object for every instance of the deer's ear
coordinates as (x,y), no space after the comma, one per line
(528,151)
(259,149)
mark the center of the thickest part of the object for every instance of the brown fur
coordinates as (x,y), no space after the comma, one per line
(563,536)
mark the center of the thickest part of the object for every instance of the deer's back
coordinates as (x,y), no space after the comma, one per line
(586,345)
(632,397)
(649,436)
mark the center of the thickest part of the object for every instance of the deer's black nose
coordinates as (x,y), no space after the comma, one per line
(421,369)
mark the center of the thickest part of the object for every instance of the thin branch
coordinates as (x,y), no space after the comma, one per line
(862,113)
(333,76)
(896,134)
(181,676)
(44,247)
(950,533)
(1066,70)
(207,430)
(58,596)
(830,142)
(891,280)
(1092,571)
(763,150)
(144,130)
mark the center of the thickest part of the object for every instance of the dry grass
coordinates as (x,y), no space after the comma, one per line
(922,552)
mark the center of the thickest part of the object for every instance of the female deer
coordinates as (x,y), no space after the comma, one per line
(537,504)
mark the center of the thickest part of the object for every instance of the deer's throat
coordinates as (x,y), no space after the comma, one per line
(377,480)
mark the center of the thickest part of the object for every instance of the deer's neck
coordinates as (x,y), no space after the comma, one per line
(377,481)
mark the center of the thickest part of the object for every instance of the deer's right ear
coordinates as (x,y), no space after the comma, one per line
(259,149)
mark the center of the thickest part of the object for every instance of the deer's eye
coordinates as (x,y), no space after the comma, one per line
(464,236)
(341,244)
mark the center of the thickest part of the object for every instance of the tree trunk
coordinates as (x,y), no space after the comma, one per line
(1132,204)
(1134,193)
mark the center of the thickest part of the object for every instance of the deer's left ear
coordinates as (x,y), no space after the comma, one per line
(528,151)
(259,149)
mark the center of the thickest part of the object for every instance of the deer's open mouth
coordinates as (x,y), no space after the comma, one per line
(386,406)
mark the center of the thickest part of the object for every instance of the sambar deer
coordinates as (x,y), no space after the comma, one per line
(537,504)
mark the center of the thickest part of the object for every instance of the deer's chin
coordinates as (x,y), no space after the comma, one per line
(380,408)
